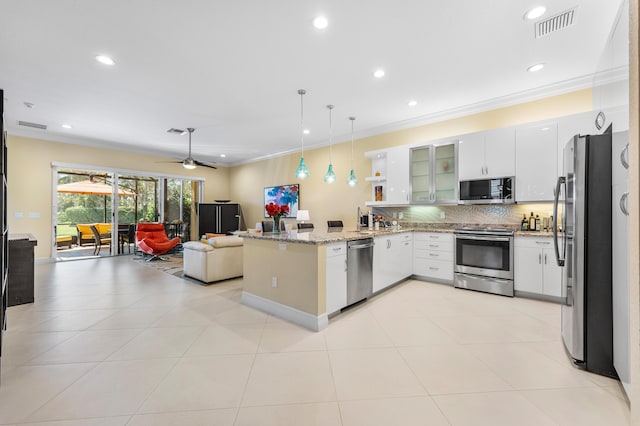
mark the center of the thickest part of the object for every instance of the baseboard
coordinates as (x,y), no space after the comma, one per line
(296,316)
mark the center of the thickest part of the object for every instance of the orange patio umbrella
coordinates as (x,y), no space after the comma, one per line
(90,187)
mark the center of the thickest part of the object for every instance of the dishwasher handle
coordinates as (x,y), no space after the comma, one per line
(360,244)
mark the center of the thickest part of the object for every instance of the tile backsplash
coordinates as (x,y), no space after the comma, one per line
(505,214)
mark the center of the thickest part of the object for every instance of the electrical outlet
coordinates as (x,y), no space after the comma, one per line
(395,215)
(442,215)
(400,215)
(274,282)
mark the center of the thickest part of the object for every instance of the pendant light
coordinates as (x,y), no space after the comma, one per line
(330,176)
(302,172)
(352,181)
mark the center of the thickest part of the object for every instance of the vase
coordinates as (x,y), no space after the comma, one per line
(276,224)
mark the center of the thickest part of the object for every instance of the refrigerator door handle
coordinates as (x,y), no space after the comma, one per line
(623,203)
(624,155)
(556,197)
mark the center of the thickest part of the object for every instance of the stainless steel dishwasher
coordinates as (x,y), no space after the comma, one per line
(359,270)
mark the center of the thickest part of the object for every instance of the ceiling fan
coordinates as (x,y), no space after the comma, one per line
(189,162)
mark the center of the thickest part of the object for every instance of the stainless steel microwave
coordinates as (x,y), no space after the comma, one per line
(488,191)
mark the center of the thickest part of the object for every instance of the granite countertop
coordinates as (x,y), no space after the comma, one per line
(539,234)
(321,237)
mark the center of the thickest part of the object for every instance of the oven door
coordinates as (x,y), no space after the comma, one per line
(484,255)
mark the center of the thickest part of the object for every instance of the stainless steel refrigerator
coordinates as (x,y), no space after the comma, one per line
(584,251)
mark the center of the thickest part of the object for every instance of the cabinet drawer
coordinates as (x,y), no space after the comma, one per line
(434,245)
(433,236)
(336,249)
(433,255)
(534,242)
(441,270)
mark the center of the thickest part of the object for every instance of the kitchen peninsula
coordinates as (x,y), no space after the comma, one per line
(286,274)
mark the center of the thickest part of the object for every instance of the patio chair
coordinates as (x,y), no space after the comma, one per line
(99,240)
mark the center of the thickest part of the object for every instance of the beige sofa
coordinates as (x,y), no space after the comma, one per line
(218,259)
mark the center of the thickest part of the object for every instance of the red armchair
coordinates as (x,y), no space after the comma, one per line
(152,239)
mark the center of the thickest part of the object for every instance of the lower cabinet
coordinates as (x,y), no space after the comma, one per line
(535,267)
(392,260)
(433,255)
(336,276)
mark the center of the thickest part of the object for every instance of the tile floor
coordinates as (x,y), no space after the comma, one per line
(113,342)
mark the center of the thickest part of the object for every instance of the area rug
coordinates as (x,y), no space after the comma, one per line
(171,266)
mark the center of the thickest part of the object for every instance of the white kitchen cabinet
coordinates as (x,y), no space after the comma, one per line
(536,162)
(620,256)
(389,171)
(535,267)
(433,255)
(487,154)
(392,260)
(336,276)
(434,173)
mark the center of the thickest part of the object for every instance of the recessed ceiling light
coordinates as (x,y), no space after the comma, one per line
(378,73)
(320,22)
(105,60)
(306,131)
(536,12)
(536,67)
(67,126)
(412,103)
(223,155)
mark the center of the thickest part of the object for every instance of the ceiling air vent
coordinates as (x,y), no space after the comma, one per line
(555,23)
(34,125)
(177,131)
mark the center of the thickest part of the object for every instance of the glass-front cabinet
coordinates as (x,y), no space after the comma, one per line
(434,178)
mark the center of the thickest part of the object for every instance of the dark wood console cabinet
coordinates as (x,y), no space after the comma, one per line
(21,272)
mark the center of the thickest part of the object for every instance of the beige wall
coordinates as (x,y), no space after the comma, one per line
(30,185)
(339,201)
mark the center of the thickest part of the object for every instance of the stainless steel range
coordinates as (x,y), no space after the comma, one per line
(484,260)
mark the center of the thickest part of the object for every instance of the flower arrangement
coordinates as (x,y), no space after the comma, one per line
(277,210)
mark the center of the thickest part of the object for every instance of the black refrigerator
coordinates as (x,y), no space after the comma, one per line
(219,218)
(584,252)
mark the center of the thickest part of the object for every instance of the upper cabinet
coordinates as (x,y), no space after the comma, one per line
(389,179)
(536,162)
(487,154)
(434,173)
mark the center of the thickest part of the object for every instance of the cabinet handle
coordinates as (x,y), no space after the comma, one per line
(345,265)
(434,255)
(337,248)
(624,155)
(540,258)
(623,203)
(434,237)
(545,258)
(433,269)
(543,243)
(406,243)
(434,245)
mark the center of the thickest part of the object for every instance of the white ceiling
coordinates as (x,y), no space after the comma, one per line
(232,69)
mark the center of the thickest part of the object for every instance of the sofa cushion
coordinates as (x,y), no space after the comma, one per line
(226,241)
(197,245)
(210,235)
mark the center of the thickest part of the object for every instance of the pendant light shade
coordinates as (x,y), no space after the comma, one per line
(352,181)
(302,172)
(330,176)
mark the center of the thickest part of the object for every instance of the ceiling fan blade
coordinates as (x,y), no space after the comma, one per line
(177,161)
(200,163)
